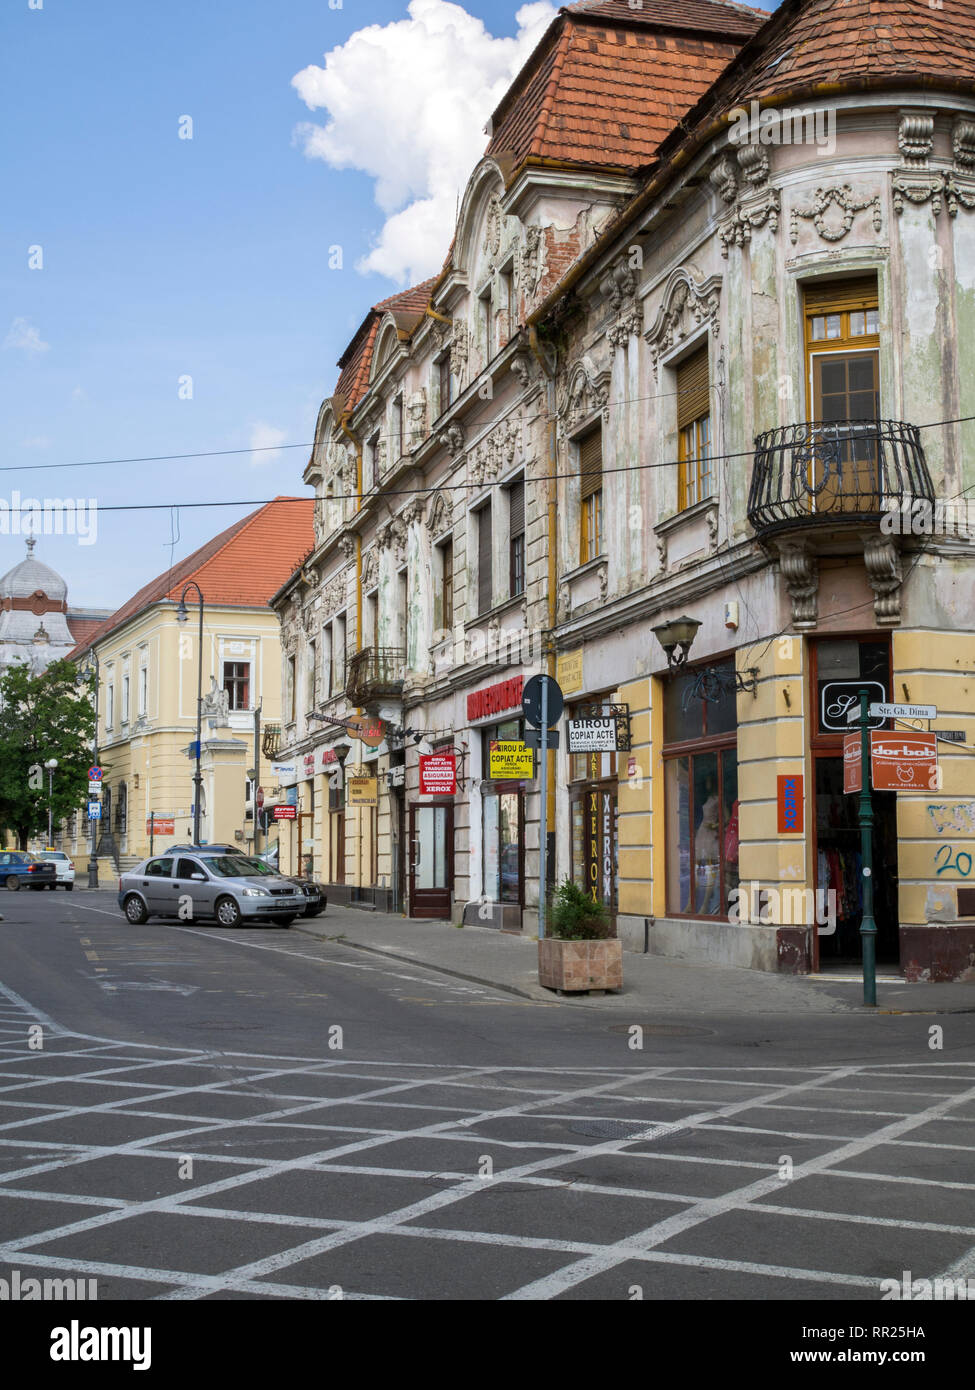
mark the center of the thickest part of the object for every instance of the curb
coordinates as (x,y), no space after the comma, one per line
(425,965)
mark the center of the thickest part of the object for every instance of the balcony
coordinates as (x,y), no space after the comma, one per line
(835,472)
(375,673)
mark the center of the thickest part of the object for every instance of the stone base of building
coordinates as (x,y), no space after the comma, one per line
(938,954)
(719,943)
(501,916)
(371,899)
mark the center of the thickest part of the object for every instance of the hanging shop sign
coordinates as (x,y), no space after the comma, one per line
(852,769)
(438,774)
(790,803)
(495,699)
(510,761)
(285,812)
(371,731)
(592,735)
(903,762)
(363,791)
(838,698)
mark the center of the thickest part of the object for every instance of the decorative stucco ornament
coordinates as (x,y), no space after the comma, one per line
(841,199)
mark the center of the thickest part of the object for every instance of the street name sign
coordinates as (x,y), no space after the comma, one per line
(882,711)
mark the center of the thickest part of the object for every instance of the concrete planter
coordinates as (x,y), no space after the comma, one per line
(579,965)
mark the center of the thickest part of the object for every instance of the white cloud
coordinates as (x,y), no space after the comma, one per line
(79,394)
(37,441)
(24,335)
(407,104)
(266,438)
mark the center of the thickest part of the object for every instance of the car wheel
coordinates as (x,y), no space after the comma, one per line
(53,886)
(135,910)
(284,921)
(228,912)
(13,883)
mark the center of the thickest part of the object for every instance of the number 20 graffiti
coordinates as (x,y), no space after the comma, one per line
(954,862)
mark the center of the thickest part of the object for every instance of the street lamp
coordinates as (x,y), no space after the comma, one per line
(676,638)
(182,614)
(51,764)
(91,664)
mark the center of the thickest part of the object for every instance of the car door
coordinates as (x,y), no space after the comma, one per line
(156,884)
(201,893)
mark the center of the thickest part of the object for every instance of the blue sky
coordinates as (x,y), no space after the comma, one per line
(208,257)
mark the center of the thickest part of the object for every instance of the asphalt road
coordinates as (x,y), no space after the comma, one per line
(192,1112)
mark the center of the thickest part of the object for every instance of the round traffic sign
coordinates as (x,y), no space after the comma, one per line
(94,773)
(531,701)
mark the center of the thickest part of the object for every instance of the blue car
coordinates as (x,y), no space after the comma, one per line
(17,867)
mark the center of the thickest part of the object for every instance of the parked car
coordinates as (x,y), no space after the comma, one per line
(63,867)
(230,888)
(317,898)
(17,867)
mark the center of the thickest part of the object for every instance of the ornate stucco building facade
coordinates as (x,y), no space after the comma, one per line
(717,367)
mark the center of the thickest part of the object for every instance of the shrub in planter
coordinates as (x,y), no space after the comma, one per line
(579,953)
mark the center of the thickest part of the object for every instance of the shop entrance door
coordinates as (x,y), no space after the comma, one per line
(431,851)
(839,871)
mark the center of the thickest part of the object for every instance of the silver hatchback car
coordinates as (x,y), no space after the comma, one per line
(230,888)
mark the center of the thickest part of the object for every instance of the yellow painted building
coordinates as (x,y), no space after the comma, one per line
(149,667)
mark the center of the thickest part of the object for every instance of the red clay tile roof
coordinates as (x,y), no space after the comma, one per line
(240,568)
(407,307)
(816,42)
(607,82)
(81,629)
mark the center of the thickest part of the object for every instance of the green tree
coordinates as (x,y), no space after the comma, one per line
(41,717)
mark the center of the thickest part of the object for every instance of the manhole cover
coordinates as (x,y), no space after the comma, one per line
(607,1129)
(663,1030)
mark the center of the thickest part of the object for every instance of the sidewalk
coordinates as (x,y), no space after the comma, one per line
(509,962)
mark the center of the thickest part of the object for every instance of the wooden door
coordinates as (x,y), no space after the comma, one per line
(431,858)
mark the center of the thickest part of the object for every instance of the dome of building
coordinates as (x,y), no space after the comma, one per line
(31,577)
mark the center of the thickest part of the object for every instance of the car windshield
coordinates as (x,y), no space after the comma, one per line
(237,866)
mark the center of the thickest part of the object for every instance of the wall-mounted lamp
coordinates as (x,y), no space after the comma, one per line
(676,638)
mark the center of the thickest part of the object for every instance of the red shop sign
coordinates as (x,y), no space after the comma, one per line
(438,774)
(285,812)
(790,804)
(903,762)
(852,779)
(495,699)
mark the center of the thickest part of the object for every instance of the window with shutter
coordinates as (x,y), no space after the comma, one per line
(591,495)
(516,537)
(485,585)
(695,469)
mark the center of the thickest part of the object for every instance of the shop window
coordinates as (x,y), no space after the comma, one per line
(593,812)
(701,789)
(591,495)
(503,821)
(695,470)
(842,661)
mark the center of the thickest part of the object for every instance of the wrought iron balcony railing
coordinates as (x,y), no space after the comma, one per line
(835,471)
(375,673)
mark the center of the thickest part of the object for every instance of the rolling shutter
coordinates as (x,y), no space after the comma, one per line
(591,462)
(836,296)
(693,399)
(516,499)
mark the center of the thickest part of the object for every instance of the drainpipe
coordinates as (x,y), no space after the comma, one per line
(548,372)
(357,444)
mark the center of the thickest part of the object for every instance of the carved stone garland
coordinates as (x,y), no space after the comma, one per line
(836,197)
